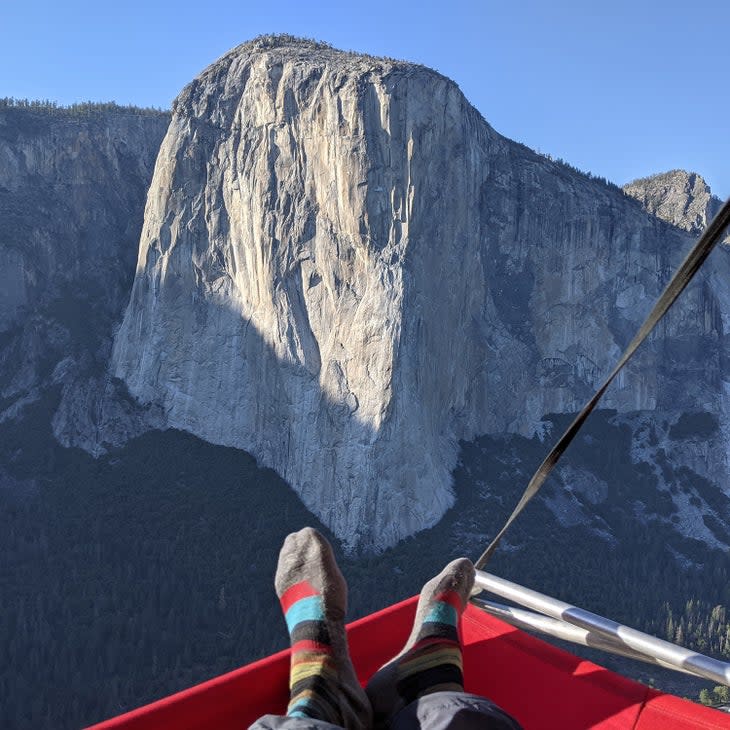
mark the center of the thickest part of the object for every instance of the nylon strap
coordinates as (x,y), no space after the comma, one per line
(674,288)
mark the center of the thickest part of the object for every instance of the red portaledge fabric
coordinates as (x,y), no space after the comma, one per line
(542,686)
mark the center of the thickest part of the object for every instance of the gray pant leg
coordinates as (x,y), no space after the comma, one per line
(437,711)
(453,711)
(279,722)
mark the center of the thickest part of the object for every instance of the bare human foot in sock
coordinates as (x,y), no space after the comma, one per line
(313,596)
(431,659)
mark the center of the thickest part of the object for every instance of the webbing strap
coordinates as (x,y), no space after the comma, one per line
(674,288)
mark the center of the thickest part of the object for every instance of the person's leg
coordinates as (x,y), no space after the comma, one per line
(423,686)
(313,595)
(452,711)
(431,658)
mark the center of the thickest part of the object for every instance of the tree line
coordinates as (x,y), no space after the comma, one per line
(77,109)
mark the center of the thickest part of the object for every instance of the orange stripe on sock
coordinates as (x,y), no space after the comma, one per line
(319,667)
(296,593)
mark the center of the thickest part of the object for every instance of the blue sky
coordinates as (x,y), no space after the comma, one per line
(619,88)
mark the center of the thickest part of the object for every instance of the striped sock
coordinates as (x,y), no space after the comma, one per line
(433,663)
(431,659)
(312,666)
(313,595)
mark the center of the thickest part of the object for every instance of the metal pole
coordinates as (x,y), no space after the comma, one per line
(530,621)
(675,656)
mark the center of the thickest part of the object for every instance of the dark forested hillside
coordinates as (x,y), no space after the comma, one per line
(131,576)
(140,573)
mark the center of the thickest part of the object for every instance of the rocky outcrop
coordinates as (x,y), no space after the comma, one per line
(679,197)
(344,270)
(72,191)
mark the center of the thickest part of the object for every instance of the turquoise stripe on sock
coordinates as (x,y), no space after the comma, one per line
(442,613)
(299,708)
(305,609)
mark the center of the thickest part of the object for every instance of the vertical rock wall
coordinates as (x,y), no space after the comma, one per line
(344,270)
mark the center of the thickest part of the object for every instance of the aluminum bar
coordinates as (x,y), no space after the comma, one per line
(675,656)
(530,621)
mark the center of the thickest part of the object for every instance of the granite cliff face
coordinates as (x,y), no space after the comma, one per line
(72,190)
(679,197)
(345,270)
(279,304)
